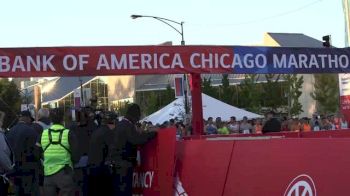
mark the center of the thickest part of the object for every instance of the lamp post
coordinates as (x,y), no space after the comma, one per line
(165,21)
(181,32)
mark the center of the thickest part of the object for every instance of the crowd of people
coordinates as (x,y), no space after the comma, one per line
(273,124)
(96,153)
(93,155)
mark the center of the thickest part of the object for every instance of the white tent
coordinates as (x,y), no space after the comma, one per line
(211,108)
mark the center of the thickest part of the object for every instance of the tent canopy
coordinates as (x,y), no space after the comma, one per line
(211,108)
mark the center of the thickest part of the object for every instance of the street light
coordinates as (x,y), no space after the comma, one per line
(164,20)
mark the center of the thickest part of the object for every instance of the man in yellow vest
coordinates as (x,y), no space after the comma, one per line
(59,150)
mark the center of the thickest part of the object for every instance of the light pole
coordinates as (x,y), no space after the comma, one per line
(165,21)
(181,32)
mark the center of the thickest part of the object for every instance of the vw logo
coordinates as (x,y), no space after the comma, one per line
(302,185)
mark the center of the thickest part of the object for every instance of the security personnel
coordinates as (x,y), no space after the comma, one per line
(99,180)
(59,150)
(123,150)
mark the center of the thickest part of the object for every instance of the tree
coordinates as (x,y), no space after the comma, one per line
(250,94)
(10,101)
(226,91)
(208,89)
(326,93)
(293,87)
(272,91)
(151,101)
(167,96)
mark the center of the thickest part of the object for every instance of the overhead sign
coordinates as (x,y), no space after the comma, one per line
(126,60)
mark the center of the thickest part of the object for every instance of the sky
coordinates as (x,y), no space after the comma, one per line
(37,23)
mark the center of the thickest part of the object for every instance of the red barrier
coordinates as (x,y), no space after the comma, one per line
(319,166)
(313,164)
(329,134)
(202,166)
(344,133)
(154,175)
(269,167)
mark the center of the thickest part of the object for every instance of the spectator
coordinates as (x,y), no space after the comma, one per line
(257,126)
(222,128)
(315,118)
(343,123)
(210,128)
(100,180)
(123,153)
(22,138)
(295,125)
(233,125)
(181,130)
(43,121)
(245,127)
(272,124)
(39,126)
(6,159)
(316,126)
(305,126)
(285,124)
(326,125)
(171,123)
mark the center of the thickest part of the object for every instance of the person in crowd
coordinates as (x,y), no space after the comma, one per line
(326,125)
(181,130)
(22,138)
(39,126)
(272,124)
(316,126)
(222,128)
(171,122)
(82,131)
(59,151)
(343,123)
(257,128)
(305,126)
(43,121)
(233,125)
(295,125)
(123,153)
(210,128)
(316,122)
(285,124)
(245,127)
(331,120)
(100,179)
(6,158)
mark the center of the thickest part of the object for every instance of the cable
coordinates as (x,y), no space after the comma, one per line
(271,17)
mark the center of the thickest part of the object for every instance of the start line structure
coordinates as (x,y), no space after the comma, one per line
(286,164)
(192,60)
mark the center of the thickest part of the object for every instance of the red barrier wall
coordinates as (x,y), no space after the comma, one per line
(155,173)
(202,165)
(265,167)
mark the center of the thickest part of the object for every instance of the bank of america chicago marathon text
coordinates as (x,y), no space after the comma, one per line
(146,61)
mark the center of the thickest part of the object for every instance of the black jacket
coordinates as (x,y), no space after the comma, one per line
(124,141)
(83,134)
(22,139)
(99,145)
(272,125)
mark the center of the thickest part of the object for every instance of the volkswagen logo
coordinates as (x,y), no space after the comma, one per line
(302,185)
